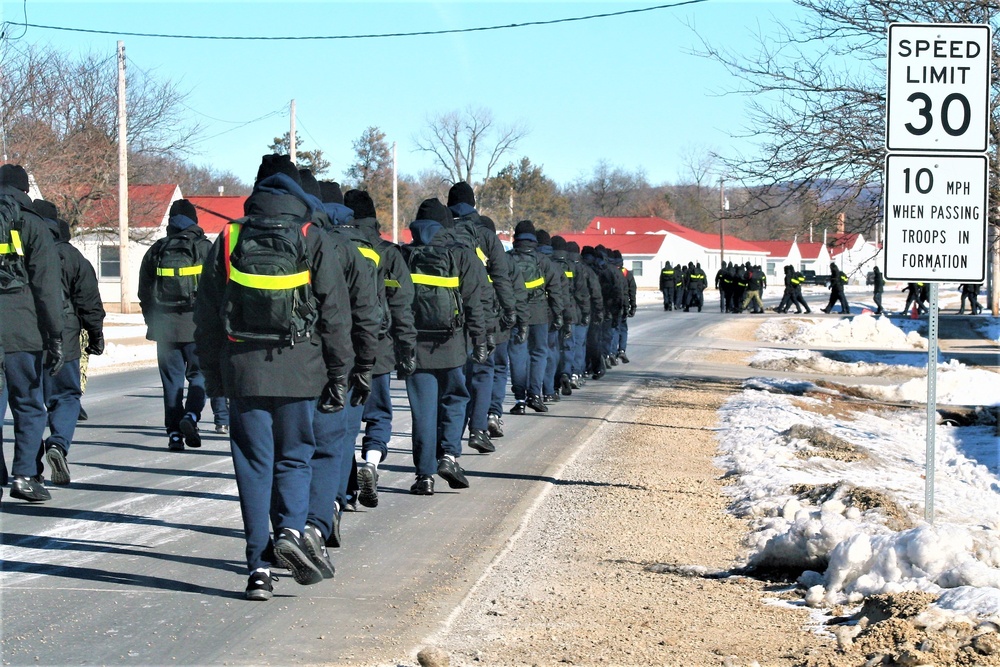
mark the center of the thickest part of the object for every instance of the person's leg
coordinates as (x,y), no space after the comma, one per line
(422,392)
(844,306)
(220,414)
(348,444)
(551,363)
(479,381)
(623,334)
(170,361)
(294,444)
(195,401)
(538,350)
(579,363)
(519,362)
(326,463)
(500,373)
(62,401)
(252,445)
(453,397)
(877,297)
(377,416)
(27,405)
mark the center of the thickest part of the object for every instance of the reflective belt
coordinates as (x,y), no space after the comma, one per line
(258,281)
(370,254)
(532,284)
(180,271)
(434,281)
(389,282)
(14,247)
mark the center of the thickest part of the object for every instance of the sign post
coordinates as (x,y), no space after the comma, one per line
(936,203)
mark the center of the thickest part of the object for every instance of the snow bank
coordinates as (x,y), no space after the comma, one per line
(863,330)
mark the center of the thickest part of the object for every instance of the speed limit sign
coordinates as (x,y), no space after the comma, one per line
(938,88)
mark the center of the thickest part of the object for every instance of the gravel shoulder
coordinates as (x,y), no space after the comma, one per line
(625,562)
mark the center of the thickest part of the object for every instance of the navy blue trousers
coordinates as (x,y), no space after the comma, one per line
(438,400)
(272,443)
(352,427)
(551,363)
(479,380)
(500,376)
(528,361)
(179,362)
(327,463)
(62,401)
(378,418)
(27,405)
(622,335)
(579,363)
(220,410)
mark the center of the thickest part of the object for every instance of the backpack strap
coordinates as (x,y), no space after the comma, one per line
(255,281)
(434,281)
(15,247)
(370,254)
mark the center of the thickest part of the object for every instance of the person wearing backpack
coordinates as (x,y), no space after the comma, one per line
(31,327)
(82,310)
(273,330)
(528,350)
(169,278)
(562,322)
(579,295)
(448,284)
(838,281)
(592,312)
(500,306)
(751,297)
(397,341)
(630,290)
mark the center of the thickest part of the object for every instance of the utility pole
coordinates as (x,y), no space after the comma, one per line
(395,197)
(123,236)
(722,222)
(291,135)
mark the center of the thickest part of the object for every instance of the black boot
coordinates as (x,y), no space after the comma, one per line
(565,386)
(536,404)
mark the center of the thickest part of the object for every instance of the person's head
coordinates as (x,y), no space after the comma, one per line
(45,209)
(461,193)
(309,183)
(361,203)
(558,243)
(542,237)
(523,229)
(182,215)
(573,247)
(433,209)
(15,176)
(330,193)
(277,163)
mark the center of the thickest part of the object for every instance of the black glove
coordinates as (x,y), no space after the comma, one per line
(406,363)
(360,384)
(95,343)
(491,343)
(557,322)
(631,311)
(507,320)
(585,320)
(332,398)
(519,335)
(567,331)
(479,351)
(54,355)
(213,384)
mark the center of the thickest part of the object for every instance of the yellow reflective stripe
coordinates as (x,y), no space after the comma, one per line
(370,254)
(532,284)
(481,254)
(268,282)
(180,271)
(569,274)
(389,282)
(434,281)
(15,246)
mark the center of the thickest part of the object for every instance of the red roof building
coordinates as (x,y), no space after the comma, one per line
(215,211)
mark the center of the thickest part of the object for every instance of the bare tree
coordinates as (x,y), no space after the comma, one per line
(461,141)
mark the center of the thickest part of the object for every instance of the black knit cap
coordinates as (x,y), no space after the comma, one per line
(277,163)
(185,208)
(15,176)
(309,183)
(361,203)
(524,227)
(461,193)
(488,222)
(573,246)
(330,193)
(433,209)
(588,250)
(617,254)
(46,209)
(558,243)
(543,237)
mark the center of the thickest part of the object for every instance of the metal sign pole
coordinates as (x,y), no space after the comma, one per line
(932,362)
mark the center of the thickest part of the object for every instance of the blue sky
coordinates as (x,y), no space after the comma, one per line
(621,89)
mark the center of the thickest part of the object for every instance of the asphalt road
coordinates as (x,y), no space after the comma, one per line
(140,560)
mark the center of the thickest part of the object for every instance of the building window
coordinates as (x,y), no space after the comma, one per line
(636,267)
(111,266)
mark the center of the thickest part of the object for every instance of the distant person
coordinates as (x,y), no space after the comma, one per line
(667,285)
(878,286)
(837,283)
(913,298)
(970,293)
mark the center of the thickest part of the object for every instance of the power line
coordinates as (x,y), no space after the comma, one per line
(366,36)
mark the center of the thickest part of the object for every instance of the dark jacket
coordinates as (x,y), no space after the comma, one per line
(32,314)
(266,369)
(434,353)
(521,309)
(395,277)
(545,301)
(582,296)
(82,306)
(169,324)
(570,313)
(492,256)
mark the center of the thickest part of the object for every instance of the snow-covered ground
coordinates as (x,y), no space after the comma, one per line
(823,512)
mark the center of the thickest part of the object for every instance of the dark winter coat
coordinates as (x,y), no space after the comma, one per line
(32,314)
(267,369)
(491,253)
(169,324)
(570,312)
(434,353)
(82,306)
(581,286)
(545,308)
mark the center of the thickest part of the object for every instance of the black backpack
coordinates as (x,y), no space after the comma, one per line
(356,238)
(269,295)
(531,273)
(438,312)
(13,274)
(178,269)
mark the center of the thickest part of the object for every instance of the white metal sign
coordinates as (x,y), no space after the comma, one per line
(938,88)
(935,218)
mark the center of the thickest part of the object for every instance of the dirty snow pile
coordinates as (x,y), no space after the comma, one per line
(851,521)
(863,330)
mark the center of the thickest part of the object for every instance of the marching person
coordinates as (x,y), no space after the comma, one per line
(667,285)
(31,329)
(878,287)
(838,281)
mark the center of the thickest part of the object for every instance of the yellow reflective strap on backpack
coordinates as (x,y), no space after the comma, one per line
(14,247)
(389,282)
(481,254)
(259,281)
(370,254)
(180,271)
(434,281)
(534,284)
(569,274)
